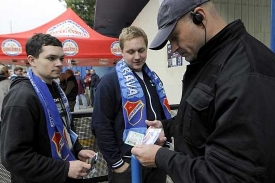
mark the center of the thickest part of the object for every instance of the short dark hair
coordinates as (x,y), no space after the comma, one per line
(35,43)
(18,69)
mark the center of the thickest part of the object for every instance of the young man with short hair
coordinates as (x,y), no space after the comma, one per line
(125,97)
(37,142)
(17,71)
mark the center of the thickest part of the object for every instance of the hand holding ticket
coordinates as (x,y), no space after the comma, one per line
(151,136)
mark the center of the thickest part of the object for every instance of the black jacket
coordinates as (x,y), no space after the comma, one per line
(108,122)
(71,93)
(94,80)
(224,129)
(25,144)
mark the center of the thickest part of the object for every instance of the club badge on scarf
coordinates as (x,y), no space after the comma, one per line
(134,103)
(57,133)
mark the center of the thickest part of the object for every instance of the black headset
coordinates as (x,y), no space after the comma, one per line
(197,17)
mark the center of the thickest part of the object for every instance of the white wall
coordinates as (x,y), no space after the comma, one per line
(157,60)
(254,13)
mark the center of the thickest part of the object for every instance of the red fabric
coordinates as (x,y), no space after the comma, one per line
(92,48)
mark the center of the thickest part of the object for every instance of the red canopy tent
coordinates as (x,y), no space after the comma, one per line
(82,45)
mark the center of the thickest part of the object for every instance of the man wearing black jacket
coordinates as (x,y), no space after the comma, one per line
(94,81)
(225,123)
(71,88)
(37,144)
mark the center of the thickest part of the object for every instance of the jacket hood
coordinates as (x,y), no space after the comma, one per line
(19,79)
(2,77)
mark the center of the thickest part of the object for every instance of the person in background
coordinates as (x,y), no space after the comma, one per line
(17,71)
(37,142)
(24,73)
(87,81)
(63,81)
(71,88)
(4,85)
(224,128)
(125,97)
(80,93)
(94,81)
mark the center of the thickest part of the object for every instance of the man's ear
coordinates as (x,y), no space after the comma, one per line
(31,60)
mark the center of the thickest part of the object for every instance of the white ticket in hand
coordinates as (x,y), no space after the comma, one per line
(134,138)
(151,136)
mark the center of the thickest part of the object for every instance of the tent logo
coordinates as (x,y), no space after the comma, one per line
(115,48)
(68,28)
(11,47)
(70,47)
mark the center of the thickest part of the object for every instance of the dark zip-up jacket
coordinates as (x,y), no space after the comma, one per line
(72,88)
(108,122)
(225,128)
(25,144)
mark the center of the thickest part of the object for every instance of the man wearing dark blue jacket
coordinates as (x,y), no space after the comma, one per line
(125,97)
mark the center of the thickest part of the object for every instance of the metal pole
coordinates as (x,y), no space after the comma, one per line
(272,25)
(136,170)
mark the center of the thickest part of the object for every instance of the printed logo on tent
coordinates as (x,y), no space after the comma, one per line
(11,47)
(70,47)
(115,48)
(68,28)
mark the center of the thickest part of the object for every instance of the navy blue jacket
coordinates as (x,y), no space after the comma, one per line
(107,121)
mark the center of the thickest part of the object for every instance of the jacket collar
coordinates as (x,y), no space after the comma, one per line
(231,32)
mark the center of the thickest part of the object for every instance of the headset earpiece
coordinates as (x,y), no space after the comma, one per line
(197,17)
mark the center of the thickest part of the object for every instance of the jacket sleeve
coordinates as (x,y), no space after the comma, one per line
(93,81)
(18,152)
(77,148)
(104,114)
(238,149)
(167,125)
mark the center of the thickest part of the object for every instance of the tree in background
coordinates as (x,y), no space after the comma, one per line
(85,9)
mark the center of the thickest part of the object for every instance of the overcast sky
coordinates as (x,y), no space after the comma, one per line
(23,15)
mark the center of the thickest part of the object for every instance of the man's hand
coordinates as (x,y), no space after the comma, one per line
(157,124)
(85,154)
(146,154)
(78,169)
(123,168)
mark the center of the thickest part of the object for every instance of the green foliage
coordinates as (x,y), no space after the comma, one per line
(84,8)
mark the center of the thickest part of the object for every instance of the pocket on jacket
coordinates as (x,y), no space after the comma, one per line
(196,116)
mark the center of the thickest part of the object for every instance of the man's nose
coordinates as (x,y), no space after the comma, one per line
(174,47)
(59,62)
(137,56)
